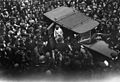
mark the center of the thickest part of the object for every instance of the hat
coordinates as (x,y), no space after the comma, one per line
(42,57)
(47,53)
(31,21)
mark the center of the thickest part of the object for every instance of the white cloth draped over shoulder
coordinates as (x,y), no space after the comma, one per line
(58,33)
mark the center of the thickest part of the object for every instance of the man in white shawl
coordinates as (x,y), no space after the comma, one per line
(58,34)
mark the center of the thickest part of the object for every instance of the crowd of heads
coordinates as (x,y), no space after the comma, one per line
(23,31)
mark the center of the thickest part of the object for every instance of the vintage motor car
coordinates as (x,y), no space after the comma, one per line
(74,22)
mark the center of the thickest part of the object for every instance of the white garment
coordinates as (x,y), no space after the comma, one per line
(58,33)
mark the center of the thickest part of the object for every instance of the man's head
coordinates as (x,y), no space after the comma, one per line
(57,27)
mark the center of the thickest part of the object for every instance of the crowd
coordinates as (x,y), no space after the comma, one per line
(24,35)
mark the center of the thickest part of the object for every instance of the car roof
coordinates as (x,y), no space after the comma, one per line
(102,47)
(72,19)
